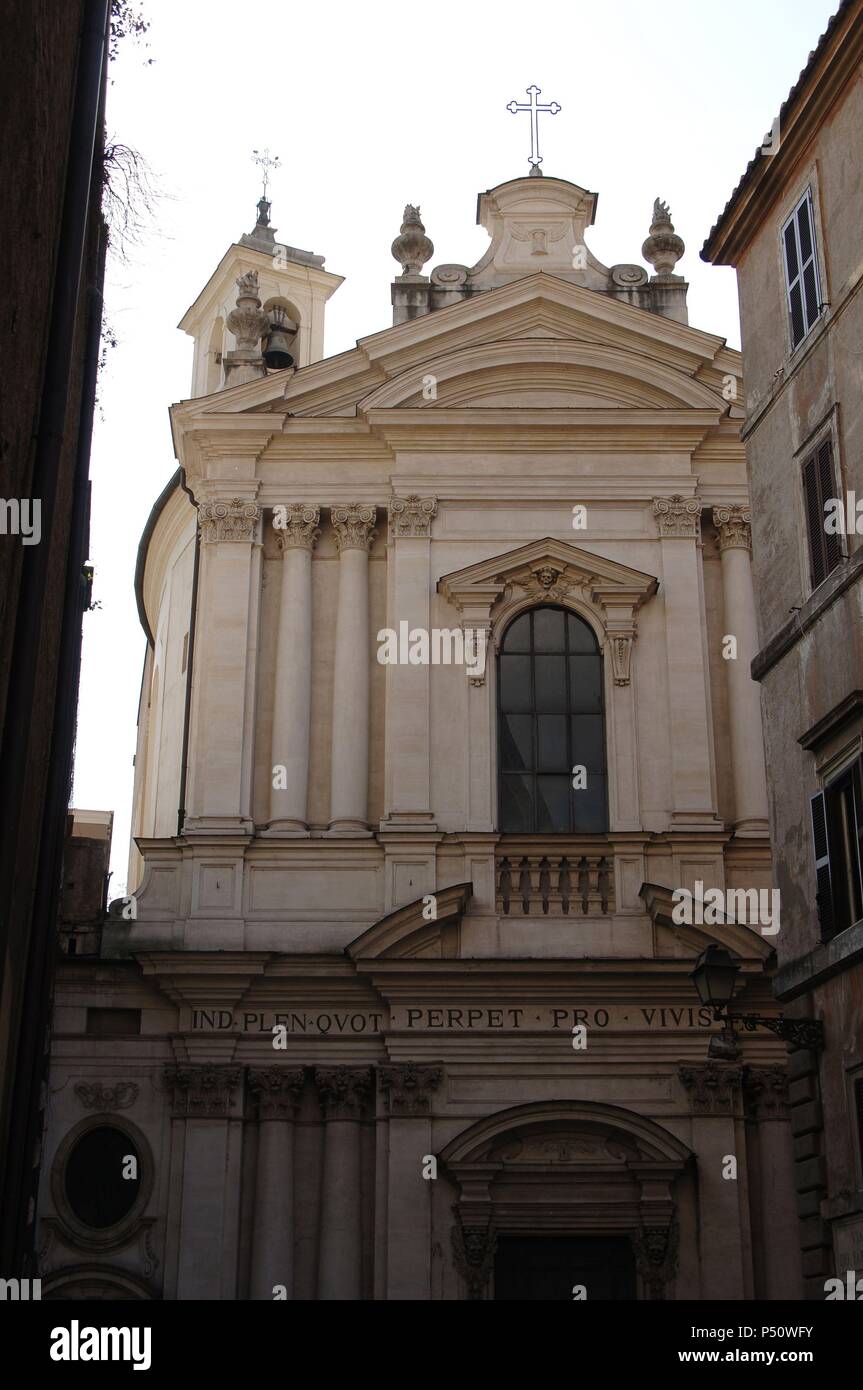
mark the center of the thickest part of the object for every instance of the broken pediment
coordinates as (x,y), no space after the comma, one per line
(408,932)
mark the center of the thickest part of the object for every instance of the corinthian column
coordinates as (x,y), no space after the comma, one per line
(343,1092)
(744,704)
(277,1091)
(350,745)
(293,690)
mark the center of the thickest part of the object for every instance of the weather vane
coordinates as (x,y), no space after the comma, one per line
(534,107)
(265,162)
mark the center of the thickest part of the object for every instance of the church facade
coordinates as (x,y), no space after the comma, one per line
(446,701)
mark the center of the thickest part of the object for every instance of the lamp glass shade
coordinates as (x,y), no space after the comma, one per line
(714,975)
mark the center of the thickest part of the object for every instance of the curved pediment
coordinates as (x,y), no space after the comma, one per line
(408,933)
(736,937)
(609,1134)
(543,372)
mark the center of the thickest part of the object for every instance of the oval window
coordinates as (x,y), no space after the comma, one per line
(96,1188)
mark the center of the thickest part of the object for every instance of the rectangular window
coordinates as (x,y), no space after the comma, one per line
(837,836)
(107,1023)
(819,486)
(802,282)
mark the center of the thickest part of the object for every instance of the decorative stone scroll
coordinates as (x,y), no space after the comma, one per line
(734,527)
(95,1096)
(412,516)
(677,515)
(712,1088)
(408,1087)
(655,1249)
(276,1091)
(202,1092)
(296,526)
(236,520)
(343,1091)
(474,1250)
(353,526)
(621,656)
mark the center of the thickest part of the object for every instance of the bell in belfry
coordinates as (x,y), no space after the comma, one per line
(279,339)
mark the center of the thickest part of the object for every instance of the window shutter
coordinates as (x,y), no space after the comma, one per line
(858,1106)
(857,783)
(795,293)
(826,488)
(814,522)
(824,890)
(801,269)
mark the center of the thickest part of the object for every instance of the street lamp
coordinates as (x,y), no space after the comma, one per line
(714,977)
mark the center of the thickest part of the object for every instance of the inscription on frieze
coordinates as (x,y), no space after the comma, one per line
(319,1021)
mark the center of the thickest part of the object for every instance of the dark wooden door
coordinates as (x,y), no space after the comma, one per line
(547,1267)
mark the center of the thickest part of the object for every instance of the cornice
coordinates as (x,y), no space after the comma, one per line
(766,179)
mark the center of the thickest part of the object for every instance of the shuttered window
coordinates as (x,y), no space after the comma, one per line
(819,486)
(837,841)
(858,1107)
(802,282)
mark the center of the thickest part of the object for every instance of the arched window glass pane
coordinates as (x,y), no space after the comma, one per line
(96,1189)
(550,722)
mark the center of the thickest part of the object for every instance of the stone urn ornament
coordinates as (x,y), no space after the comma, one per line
(412,248)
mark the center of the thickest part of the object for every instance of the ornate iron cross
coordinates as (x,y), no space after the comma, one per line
(534,107)
(265,162)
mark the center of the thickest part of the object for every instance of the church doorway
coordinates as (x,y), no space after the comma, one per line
(549,1267)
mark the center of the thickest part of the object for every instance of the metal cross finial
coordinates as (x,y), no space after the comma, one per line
(266,162)
(534,107)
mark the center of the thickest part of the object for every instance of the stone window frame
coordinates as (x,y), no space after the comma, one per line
(72,1228)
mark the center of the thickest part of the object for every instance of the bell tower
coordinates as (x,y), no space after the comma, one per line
(262,310)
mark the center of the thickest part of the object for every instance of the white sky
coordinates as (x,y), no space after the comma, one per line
(370,107)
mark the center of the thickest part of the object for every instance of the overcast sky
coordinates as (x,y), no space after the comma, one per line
(370,106)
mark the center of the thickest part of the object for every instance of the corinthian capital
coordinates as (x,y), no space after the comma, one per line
(412,516)
(677,516)
(277,1091)
(408,1087)
(343,1091)
(236,520)
(712,1089)
(733,525)
(202,1092)
(296,526)
(353,526)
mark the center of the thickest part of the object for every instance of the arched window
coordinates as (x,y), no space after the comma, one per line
(550,725)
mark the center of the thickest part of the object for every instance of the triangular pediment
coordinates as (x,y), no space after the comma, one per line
(549,565)
(560,342)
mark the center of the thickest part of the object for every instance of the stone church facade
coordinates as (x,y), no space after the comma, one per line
(401,1006)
